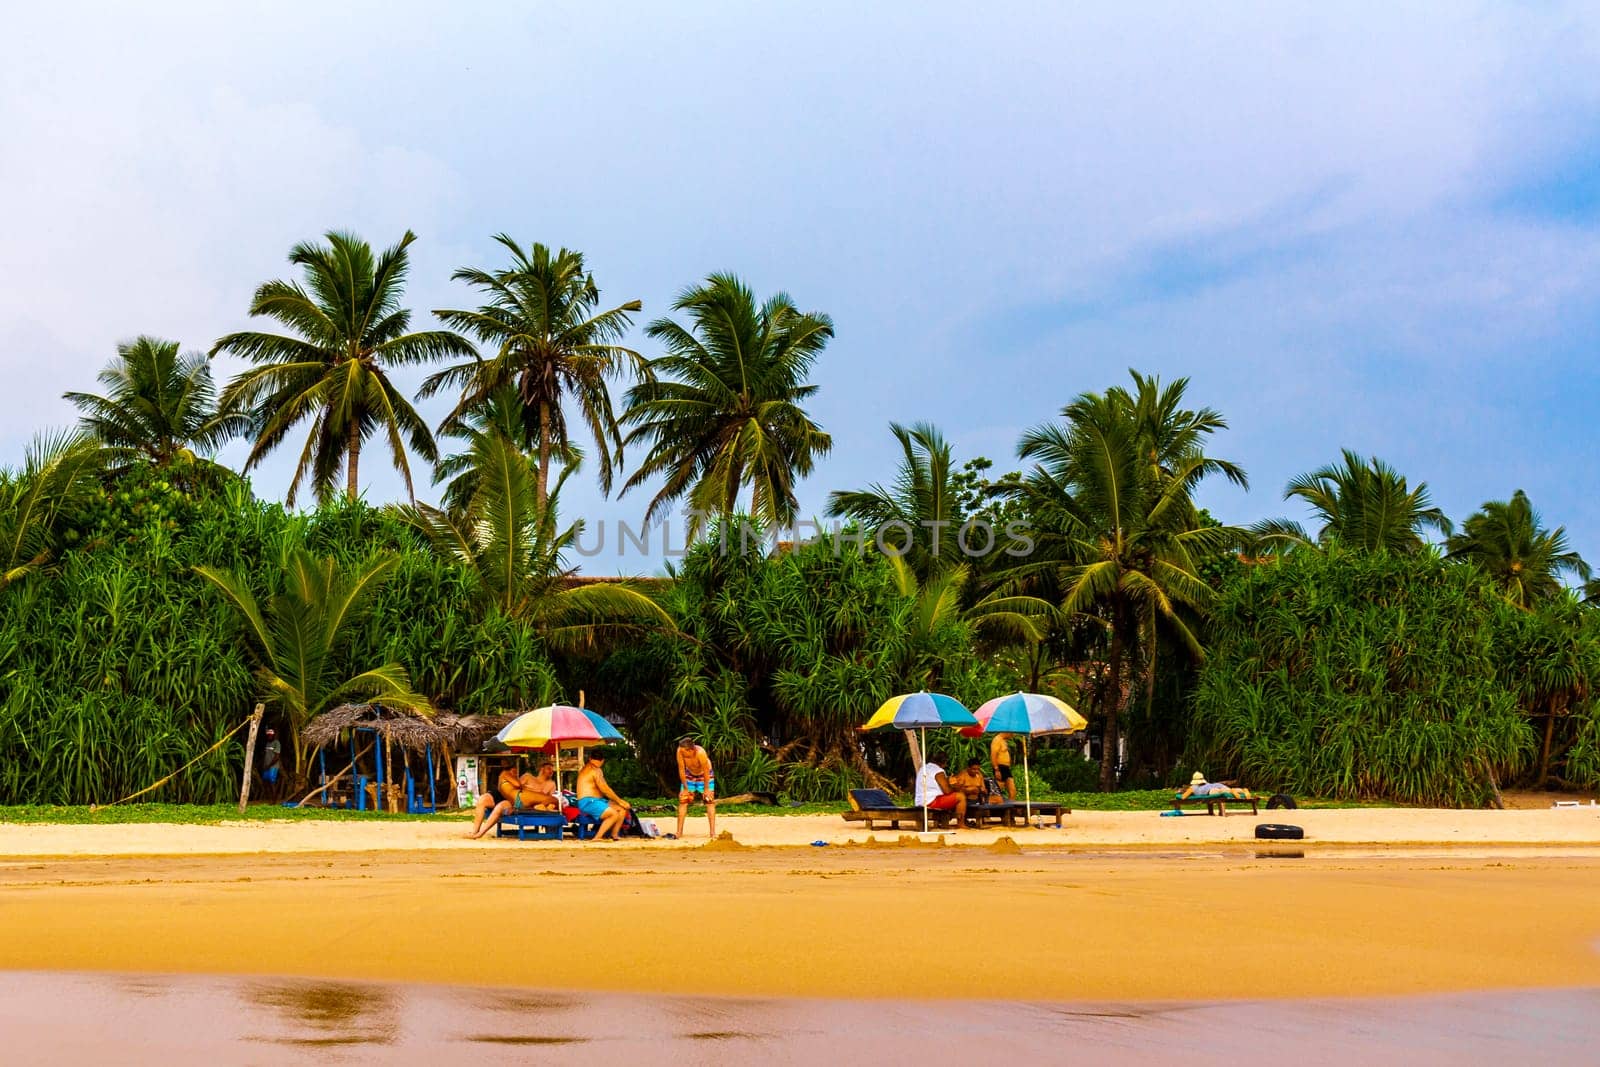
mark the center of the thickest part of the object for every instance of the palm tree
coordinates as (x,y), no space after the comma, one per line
(723,409)
(919,515)
(514,545)
(938,600)
(347,331)
(1525,561)
(500,415)
(1363,505)
(58,476)
(550,343)
(294,639)
(159,405)
(1116,527)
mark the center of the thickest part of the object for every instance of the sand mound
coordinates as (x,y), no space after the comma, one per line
(1005,846)
(723,842)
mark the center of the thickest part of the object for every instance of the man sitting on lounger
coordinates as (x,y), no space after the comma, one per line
(935,792)
(596,800)
(529,792)
(1201,789)
(971,783)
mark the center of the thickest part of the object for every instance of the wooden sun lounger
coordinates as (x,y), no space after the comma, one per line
(873,806)
(1216,805)
(1015,812)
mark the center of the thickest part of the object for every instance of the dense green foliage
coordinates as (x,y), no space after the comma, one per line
(148,599)
(781,658)
(1359,676)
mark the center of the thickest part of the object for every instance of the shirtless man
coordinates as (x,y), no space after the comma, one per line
(1000,759)
(971,782)
(530,792)
(696,779)
(596,800)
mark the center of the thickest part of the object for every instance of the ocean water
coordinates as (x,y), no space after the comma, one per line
(48,1017)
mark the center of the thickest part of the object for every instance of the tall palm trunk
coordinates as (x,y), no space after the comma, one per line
(1108,734)
(544,454)
(352,463)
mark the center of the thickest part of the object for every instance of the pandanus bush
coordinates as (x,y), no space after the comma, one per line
(1356,675)
(294,638)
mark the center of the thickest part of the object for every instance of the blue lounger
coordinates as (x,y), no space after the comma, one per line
(539,825)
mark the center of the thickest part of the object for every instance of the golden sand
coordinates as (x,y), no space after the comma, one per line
(845,922)
(1383,827)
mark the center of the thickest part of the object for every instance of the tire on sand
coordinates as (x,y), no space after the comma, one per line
(1277,831)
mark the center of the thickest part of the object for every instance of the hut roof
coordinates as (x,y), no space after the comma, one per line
(462,733)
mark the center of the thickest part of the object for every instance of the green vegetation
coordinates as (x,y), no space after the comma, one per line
(148,599)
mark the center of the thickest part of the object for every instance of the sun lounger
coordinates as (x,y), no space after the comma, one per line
(1215,805)
(873,806)
(545,826)
(535,825)
(1015,812)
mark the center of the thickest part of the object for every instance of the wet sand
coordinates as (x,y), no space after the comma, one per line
(139,1020)
(1374,827)
(1047,925)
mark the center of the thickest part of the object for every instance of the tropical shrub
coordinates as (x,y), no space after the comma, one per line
(1352,675)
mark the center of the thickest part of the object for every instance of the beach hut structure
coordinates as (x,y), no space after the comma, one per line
(405,751)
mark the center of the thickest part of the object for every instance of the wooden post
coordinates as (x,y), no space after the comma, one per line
(250,757)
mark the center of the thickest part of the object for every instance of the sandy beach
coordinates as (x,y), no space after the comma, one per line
(1135,910)
(1340,827)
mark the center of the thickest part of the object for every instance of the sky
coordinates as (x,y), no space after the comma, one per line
(1366,226)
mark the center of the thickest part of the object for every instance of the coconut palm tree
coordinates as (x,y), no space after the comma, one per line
(294,638)
(347,331)
(1363,504)
(724,407)
(58,475)
(551,343)
(1116,528)
(1506,541)
(515,546)
(918,515)
(158,405)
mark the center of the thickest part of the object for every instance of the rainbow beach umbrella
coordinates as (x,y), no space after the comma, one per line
(560,724)
(1027,715)
(918,711)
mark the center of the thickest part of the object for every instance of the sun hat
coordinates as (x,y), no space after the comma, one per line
(1198,779)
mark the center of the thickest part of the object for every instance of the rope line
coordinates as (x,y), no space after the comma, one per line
(225,739)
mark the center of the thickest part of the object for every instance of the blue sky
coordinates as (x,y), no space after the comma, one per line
(1366,226)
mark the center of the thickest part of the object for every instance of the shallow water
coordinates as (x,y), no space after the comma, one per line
(57,1017)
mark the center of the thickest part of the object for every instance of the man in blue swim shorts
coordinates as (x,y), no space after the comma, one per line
(697,781)
(596,800)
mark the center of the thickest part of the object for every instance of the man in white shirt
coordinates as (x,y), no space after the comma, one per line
(934,790)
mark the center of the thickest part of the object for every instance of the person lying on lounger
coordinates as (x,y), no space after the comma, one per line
(528,792)
(1204,790)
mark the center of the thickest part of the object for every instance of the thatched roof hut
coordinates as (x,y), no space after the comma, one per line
(405,728)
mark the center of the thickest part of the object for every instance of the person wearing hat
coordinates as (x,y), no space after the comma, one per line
(696,780)
(271,761)
(1199,787)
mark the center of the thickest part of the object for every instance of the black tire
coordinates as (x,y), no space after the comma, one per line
(1281,800)
(1277,831)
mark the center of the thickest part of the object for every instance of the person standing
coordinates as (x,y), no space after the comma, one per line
(271,763)
(696,780)
(1000,760)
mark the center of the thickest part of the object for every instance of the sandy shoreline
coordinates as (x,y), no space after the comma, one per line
(1377,827)
(1049,925)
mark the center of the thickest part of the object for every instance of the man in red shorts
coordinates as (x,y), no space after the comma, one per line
(935,791)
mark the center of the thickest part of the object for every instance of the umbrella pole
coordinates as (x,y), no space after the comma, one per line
(1027,782)
(924,746)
